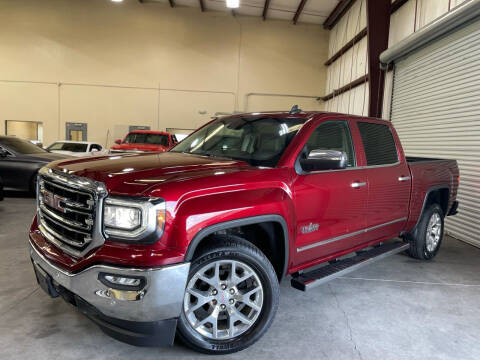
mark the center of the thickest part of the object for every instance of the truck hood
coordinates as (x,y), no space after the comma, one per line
(135,174)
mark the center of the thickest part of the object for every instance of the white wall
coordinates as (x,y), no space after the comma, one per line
(117,64)
(354,63)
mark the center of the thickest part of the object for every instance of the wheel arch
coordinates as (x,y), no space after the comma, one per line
(272,225)
(436,194)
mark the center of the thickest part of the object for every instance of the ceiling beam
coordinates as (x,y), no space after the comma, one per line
(172,3)
(265,9)
(341,9)
(299,11)
(202,5)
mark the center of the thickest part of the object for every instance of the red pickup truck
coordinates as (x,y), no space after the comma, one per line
(144,141)
(194,241)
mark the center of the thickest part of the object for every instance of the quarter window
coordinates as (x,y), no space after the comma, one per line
(378,143)
(332,135)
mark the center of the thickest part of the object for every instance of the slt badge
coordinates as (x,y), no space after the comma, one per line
(307,229)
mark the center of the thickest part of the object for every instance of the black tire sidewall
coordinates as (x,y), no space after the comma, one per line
(422,234)
(270,286)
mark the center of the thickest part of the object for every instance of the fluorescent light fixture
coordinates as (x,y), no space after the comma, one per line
(116,0)
(233,4)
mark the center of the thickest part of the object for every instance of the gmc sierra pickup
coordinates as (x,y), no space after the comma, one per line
(193,242)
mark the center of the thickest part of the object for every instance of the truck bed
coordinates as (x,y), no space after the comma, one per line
(416,159)
(428,173)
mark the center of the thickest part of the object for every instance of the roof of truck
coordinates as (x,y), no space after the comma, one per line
(300,114)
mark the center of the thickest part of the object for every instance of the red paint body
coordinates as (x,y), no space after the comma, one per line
(201,191)
(144,147)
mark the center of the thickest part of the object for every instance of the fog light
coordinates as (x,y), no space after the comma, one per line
(122,282)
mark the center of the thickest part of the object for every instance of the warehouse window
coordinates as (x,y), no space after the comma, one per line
(379,144)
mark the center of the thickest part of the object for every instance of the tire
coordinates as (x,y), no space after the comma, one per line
(250,319)
(425,240)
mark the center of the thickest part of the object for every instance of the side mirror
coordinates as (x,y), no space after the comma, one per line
(324,160)
(118,141)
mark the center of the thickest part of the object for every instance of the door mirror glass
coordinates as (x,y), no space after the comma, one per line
(324,160)
(118,141)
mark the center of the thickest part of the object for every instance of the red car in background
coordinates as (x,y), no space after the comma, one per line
(145,141)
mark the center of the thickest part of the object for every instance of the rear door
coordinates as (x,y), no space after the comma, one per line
(330,204)
(388,177)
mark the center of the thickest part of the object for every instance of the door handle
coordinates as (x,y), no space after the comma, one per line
(404,178)
(357,185)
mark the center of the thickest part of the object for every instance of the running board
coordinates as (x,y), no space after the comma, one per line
(308,280)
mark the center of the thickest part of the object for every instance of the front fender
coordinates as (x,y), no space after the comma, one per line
(200,216)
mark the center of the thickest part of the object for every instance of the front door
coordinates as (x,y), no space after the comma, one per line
(330,204)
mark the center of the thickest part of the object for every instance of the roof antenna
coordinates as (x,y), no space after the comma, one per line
(295,110)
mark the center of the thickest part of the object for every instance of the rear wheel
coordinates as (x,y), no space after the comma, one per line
(231,297)
(427,237)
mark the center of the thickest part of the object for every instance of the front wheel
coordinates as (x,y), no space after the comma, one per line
(231,297)
(427,237)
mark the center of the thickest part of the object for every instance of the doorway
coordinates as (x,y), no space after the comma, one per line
(76,131)
(28,130)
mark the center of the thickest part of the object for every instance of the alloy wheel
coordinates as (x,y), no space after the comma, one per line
(434,232)
(223,299)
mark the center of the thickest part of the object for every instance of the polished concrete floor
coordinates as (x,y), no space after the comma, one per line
(399,308)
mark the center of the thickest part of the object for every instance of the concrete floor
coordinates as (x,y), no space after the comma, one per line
(395,309)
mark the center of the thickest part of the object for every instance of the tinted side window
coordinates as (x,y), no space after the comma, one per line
(332,135)
(379,144)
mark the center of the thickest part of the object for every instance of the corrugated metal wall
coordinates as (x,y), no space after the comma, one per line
(436,111)
(353,64)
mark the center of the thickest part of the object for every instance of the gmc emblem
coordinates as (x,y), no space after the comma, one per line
(54,201)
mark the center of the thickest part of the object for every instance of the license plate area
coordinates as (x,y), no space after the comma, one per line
(45,281)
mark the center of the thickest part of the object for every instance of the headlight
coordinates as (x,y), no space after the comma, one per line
(129,219)
(120,217)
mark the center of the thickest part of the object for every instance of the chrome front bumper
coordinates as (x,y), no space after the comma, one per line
(161,298)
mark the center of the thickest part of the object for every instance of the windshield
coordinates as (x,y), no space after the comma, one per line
(258,141)
(21,146)
(141,138)
(73,147)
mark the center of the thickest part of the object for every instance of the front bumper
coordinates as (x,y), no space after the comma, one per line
(151,308)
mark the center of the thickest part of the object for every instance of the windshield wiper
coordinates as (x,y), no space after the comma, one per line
(216,156)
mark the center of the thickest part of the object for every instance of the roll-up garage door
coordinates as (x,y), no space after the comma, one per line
(436,111)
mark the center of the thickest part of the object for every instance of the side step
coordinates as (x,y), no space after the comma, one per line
(308,280)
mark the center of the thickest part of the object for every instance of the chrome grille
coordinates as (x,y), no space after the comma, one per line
(67,211)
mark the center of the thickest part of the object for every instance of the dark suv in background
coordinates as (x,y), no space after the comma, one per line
(20,161)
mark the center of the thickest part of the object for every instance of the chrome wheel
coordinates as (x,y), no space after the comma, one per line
(434,232)
(223,299)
